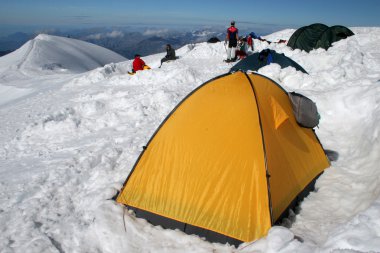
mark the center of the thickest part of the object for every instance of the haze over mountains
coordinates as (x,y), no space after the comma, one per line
(127,41)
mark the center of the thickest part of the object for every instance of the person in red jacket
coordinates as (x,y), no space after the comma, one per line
(232,39)
(138,64)
(250,42)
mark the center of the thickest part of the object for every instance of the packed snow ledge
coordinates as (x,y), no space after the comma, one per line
(71,130)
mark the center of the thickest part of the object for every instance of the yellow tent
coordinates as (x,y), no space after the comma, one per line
(226,163)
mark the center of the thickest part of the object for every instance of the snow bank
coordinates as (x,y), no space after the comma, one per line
(27,70)
(48,53)
(66,151)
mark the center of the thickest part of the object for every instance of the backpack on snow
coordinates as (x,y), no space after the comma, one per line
(305,110)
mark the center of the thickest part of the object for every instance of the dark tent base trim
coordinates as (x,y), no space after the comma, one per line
(300,197)
(168,223)
(211,236)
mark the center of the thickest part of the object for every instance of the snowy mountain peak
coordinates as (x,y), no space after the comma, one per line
(47,54)
(44,37)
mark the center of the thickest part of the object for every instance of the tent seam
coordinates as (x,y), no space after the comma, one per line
(264,149)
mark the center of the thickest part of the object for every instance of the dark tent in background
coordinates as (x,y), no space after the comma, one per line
(213,40)
(253,35)
(258,60)
(316,36)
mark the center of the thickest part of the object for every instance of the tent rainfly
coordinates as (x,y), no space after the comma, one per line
(317,35)
(213,40)
(258,60)
(226,163)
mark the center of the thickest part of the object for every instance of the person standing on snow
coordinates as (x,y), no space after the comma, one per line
(170,54)
(250,41)
(232,38)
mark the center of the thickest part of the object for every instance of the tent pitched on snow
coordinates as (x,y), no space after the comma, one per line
(317,35)
(254,62)
(226,163)
(213,40)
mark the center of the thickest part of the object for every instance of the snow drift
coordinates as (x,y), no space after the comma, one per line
(66,150)
(52,53)
(27,69)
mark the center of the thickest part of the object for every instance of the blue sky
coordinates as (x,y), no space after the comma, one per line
(16,14)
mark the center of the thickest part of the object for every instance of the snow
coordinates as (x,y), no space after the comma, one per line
(70,134)
(47,59)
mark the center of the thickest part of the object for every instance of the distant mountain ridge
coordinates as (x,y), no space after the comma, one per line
(122,41)
(2,53)
(13,42)
(130,43)
(129,40)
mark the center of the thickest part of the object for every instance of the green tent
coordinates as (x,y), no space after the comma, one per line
(258,60)
(317,35)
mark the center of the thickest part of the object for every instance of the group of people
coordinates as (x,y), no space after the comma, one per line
(237,46)
(139,64)
(237,49)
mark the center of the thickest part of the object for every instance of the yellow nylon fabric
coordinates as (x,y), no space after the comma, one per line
(279,115)
(294,155)
(205,166)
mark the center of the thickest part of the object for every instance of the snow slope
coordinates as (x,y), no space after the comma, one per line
(48,52)
(66,151)
(48,55)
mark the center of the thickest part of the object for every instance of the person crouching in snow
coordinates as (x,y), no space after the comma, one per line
(170,54)
(241,51)
(232,38)
(138,64)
